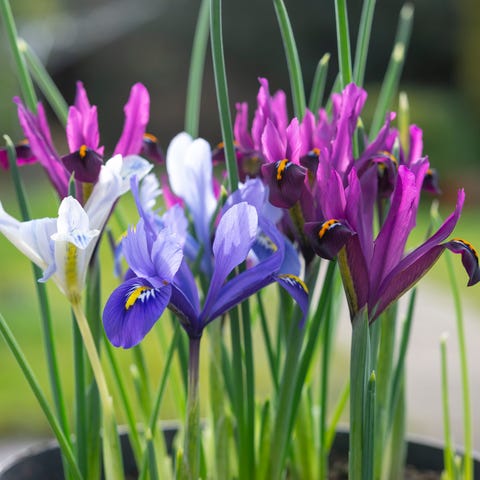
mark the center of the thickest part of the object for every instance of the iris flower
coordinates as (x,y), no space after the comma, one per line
(160,276)
(377,271)
(86,155)
(62,247)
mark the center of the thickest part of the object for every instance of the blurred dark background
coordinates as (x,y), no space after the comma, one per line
(109,45)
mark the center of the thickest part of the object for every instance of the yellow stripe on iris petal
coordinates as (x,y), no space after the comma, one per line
(466,244)
(134,295)
(294,280)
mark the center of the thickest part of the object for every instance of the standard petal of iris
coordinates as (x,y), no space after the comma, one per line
(167,255)
(136,248)
(234,237)
(73,224)
(176,162)
(132,310)
(137,113)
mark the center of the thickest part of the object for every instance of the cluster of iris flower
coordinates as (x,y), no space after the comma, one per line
(311,186)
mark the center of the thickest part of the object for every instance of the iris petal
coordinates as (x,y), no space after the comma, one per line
(469,258)
(132,310)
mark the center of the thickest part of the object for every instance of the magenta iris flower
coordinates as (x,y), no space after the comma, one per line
(377,271)
(86,155)
(160,275)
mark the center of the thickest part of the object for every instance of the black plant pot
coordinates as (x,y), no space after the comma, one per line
(45,462)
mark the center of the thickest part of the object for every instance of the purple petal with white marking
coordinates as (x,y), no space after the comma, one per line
(132,310)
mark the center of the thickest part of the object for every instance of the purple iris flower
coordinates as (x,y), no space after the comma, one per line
(86,156)
(377,271)
(23,152)
(283,174)
(160,276)
(248,143)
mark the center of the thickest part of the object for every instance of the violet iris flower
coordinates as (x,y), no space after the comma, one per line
(160,276)
(86,156)
(23,152)
(376,271)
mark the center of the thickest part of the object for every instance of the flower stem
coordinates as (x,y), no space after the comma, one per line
(191,457)
(462,348)
(111,445)
(359,374)
(448,451)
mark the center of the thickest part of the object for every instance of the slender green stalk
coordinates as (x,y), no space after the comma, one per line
(47,325)
(191,459)
(448,453)
(45,82)
(94,410)
(42,400)
(324,377)
(318,84)
(216,41)
(268,341)
(265,439)
(462,348)
(369,434)
(359,368)
(363,41)
(125,402)
(197,66)
(152,461)
(293,60)
(143,382)
(397,445)
(238,404)
(394,69)
(26,84)
(249,389)
(384,367)
(218,401)
(397,377)
(111,446)
(81,415)
(343,42)
(337,413)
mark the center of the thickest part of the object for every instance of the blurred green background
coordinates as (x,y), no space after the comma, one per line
(110,45)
